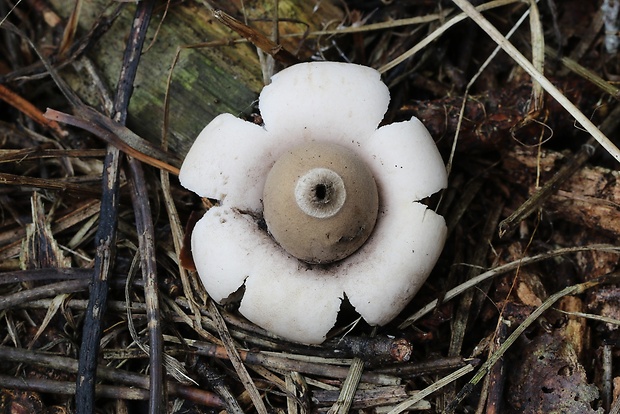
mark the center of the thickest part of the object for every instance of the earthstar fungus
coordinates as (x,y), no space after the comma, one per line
(340,198)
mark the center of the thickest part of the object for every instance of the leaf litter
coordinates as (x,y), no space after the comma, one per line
(510,145)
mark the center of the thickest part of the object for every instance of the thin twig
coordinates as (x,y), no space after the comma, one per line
(68,388)
(139,196)
(97,302)
(146,238)
(48,183)
(118,376)
(21,276)
(437,33)
(349,386)
(417,369)
(324,367)
(19,155)
(119,136)
(45,291)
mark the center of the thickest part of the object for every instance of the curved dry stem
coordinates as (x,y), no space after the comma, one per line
(452,293)
(486,367)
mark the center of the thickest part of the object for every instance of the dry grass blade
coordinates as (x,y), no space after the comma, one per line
(345,399)
(538,56)
(440,31)
(570,64)
(48,183)
(539,77)
(291,400)
(235,359)
(484,369)
(591,316)
(500,270)
(405,405)
(428,18)
(71,28)
(259,40)
(29,109)
(56,303)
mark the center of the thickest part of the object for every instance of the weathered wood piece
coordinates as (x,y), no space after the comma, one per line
(219,76)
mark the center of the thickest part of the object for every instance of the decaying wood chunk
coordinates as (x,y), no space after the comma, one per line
(591,198)
(549,378)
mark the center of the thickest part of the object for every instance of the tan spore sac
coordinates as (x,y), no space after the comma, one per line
(345,211)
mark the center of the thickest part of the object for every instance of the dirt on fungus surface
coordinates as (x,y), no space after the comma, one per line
(91,292)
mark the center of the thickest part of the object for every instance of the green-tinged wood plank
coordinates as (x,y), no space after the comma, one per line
(206,81)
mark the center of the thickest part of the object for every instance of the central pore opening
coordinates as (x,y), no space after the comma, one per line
(320,192)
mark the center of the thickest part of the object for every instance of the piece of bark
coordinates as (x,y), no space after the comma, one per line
(576,330)
(591,197)
(547,377)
